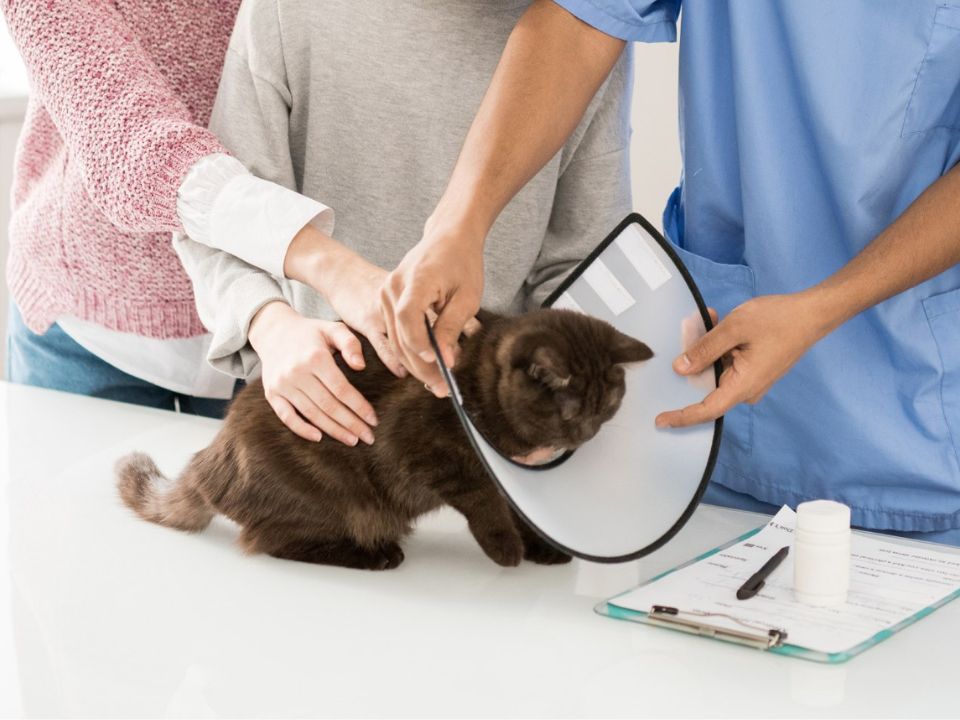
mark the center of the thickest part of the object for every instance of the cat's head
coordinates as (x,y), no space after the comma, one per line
(560,376)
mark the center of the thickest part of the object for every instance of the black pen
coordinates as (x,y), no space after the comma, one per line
(756,581)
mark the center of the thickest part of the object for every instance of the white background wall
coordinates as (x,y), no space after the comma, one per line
(655,148)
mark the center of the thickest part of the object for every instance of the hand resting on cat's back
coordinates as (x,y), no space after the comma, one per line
(545,380)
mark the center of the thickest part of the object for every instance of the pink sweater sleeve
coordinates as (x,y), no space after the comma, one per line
(132,136)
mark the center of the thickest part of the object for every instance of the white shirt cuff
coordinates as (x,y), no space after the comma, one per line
(223,206)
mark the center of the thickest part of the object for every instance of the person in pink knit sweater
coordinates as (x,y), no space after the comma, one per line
(114,157)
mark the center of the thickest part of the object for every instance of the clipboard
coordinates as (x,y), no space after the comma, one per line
(768,638)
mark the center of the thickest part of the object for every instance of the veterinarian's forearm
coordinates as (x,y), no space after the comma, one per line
(550,70)
(923,242)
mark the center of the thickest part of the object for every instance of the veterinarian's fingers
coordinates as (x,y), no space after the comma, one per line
(472,327)
(705,351)
(349,402)
(726,360)
(388,308)
(415,307)
(315,408)
(381,346)
(710,408)
(424,371)
(427,372)
(347,343)
(411,309)
(289,417)
(452,320)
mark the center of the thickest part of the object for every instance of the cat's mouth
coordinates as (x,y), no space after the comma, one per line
(540,456)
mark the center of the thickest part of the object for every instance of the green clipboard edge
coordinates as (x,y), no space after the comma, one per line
(606,609)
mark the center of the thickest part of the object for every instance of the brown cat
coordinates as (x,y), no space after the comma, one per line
(547,379)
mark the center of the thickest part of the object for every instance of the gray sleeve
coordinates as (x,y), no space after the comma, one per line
(228,292)
(593,191)
(250,117)
(592,197)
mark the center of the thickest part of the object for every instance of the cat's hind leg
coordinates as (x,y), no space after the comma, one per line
(342,553)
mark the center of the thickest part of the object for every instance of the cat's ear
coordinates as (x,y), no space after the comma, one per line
(547,367)
(625,349)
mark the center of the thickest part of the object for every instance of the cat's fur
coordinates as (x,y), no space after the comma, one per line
(546,379)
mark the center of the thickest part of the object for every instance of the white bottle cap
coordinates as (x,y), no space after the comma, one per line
(823,516)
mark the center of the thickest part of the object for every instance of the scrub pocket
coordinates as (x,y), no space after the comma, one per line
(724,287)
(943,316)
(935,102)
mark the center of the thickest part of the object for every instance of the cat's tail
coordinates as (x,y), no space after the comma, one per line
(155,498)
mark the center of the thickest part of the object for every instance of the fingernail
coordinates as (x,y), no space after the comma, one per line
(371,419)
(428,356)
(662,422)
(682,363)
(367,437)
(356,360)
(318,437)
(352,440)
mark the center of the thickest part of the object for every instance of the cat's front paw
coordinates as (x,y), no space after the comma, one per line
(504,548)
(542,553)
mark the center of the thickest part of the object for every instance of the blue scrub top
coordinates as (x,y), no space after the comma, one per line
(807,127)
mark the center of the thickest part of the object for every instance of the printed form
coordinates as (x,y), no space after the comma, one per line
(889,583)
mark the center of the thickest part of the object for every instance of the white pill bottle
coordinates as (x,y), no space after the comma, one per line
(821,561)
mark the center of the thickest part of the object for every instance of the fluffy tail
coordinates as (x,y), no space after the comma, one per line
(155,498)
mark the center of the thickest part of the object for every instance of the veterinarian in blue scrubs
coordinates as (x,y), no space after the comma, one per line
(819,212)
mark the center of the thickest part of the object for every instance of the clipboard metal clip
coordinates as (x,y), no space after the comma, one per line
(762,638)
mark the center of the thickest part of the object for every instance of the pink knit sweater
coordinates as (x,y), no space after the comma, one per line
(121,92)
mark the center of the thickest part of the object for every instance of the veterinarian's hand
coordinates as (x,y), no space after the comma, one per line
(759,342)
(443,273)
(348,282)
(301,380)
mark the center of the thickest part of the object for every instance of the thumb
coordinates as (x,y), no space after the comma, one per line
(346,342)
(450,323)
(705,351)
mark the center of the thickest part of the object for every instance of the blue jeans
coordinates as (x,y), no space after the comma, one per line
(55,361)
(720,495)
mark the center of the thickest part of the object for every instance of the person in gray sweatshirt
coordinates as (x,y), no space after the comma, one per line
(363,105)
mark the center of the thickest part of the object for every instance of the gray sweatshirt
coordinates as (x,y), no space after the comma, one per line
(364,105)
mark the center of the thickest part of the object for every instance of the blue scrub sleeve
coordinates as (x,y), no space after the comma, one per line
(631,20)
